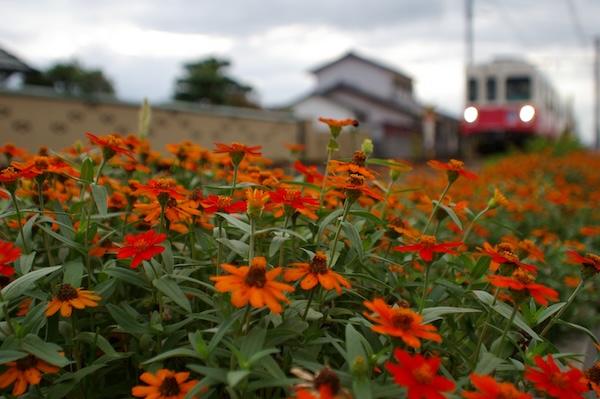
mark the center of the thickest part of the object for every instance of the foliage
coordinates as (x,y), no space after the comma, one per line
(206,81)
(72,78)
(211,274)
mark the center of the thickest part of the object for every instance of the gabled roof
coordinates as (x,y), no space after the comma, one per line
(10,63)
(411,109)
(352,55)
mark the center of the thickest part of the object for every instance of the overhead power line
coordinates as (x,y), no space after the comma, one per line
(576,23)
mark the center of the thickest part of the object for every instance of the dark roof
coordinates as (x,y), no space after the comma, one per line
(411,109)
(353,55)
(10,63)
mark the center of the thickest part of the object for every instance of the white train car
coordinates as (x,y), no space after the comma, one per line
(509,101)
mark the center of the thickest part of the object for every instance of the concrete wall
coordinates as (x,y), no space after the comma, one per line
(31,120)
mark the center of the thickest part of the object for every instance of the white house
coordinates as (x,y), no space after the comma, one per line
(379,97)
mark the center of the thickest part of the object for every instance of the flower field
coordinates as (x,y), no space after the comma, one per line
(216,273)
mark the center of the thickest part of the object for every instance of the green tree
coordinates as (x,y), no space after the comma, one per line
(206,81)
(72,78)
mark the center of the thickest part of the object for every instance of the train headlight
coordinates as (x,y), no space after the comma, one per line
(471,114)
(527,113)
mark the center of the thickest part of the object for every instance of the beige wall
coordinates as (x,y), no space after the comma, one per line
(30,121)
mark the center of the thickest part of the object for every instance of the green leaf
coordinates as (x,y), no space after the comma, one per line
(173,291)
(481,267)
(253,342)
(353,235)
(237,376)
(101,198)
(25,262)
(222,330)
(326,221)
(581,329)
(48,352)
(436,313)
(167,256)
(383,162)
(549,311)
(276,243)
(23,283)
(73,273)
(354,345)
(369,216)
(361,388)
(87,171)
(487,364)
(10,355)
(125,320)
(177,352)
(240,248)
(245,227)
(451,213)
(127,275)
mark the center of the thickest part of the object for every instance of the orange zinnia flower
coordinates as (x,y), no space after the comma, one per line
(142,247)
(223,203)
(166,187)
(256,202)
(339,122)
(453,168)
(419,375)
(593,376)
(291,200)
(311,174)
(353,186)
(24,371)
(553,381)
(111,145)
(68,298)
(315,273)
(427,246)
(323,385)
(590,263)
(253,284)
(400,322)
(166,384)
(504,255)
(521,285)
(237,151)
(8,253)
(489,388)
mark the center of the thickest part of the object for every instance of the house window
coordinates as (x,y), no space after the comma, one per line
(490,87)
(518,88)
(472,89)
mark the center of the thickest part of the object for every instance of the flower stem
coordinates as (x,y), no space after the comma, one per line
(505,332)
(347,205)
(484,331)
(44,234)
(16,204)
(251,241)
(311,294)
(322,198)
(425,285)
(557,315)
(436,206)
(233,183)
(480,214)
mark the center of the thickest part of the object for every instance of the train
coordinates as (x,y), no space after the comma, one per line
(509,101)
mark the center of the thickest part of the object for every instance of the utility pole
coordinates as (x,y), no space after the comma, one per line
(469,32)
(596,93)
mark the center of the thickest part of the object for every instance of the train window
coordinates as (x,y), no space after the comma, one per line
(491,89)
(518,88)
(472,89)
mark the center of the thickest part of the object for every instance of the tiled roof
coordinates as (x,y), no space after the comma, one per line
(10,63)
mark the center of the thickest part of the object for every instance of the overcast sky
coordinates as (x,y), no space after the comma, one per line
(141,45)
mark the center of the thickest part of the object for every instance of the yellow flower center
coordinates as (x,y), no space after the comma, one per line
(169,387)
(165,183)
(26,363)
(113,140)
(223,201)
(456,165)
(403,318)
(424,375)
(66,292)
(329,378)
(594,258)
(41,163)
(428,241)
(141,245)
(319,264)
(356,180)
(359,158)
(9,173)
(256,276)
(523,277)
(291,194)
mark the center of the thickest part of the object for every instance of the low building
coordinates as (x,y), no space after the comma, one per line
(382,100)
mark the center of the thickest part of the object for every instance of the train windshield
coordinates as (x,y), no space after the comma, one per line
(518,88)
